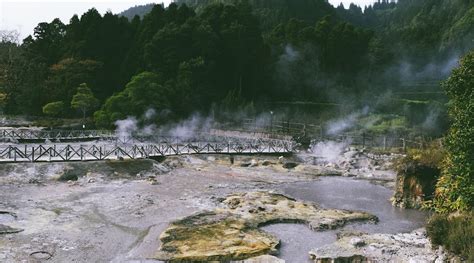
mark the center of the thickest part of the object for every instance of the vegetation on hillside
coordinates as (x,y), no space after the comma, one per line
(218,56)
(230,54)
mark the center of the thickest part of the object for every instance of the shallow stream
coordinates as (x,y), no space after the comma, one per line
(341,193)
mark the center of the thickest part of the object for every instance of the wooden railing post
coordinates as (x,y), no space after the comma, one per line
(363,140)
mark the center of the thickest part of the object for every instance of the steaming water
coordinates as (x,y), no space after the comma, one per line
(342,193)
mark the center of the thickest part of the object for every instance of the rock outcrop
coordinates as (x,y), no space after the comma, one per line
(417,174)
(358,247)
(231,231)
(349,162)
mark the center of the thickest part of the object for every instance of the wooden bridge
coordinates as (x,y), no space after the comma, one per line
(52,135)
(114,151)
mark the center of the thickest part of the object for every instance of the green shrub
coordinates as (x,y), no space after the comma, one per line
(54,109)
(455,233)
(455,189)
(70,175)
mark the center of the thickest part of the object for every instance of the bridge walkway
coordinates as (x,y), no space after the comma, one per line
(113,151)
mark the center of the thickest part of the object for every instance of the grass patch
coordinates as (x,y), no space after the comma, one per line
(382,124)
(455,233)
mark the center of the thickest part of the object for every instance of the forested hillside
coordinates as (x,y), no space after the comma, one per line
(138,10)
(194,56)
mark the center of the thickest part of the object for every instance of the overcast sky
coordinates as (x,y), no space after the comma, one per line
(24,15)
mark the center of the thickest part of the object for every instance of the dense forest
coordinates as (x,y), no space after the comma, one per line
(249,55)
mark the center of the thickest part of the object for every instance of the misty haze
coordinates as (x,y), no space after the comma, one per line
(247,131)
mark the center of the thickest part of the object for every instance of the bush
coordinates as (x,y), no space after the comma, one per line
(455,233)
(70,175)
(455,189)
(54,109)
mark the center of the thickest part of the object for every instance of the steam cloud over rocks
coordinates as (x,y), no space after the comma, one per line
(329,151)
(125,128)
(184,130)
(340,125)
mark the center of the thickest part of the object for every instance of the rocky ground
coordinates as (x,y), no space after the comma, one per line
(117,211)
(231,232)
(360,247)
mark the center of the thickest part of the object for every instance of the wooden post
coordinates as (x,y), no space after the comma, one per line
(363,140)
(384,142)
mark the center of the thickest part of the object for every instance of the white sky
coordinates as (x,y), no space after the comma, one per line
(24,15)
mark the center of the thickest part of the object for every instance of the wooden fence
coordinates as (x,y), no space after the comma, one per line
(383,142)
(32,134)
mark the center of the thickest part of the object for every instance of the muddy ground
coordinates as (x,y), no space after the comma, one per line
(117,216)
(116,211)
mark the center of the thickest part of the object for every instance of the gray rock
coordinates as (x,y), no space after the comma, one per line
(408,247)
(289,165)
(357,242)
(267,163)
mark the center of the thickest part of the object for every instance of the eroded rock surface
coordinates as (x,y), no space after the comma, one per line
(4,229)
(358,247)
(231,231)
(323,160)
(262,259)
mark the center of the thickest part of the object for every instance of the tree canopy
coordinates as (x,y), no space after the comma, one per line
(227,53)
(84,100)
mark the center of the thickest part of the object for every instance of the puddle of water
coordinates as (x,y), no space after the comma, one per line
(342,193)
(41,255)
(297,240)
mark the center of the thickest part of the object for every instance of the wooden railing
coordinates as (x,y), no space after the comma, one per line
(109,151)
